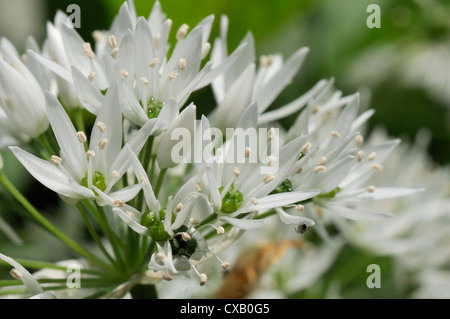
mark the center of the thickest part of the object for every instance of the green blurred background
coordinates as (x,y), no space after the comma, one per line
(402,70)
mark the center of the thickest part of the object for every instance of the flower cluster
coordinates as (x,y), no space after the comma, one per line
(163,215)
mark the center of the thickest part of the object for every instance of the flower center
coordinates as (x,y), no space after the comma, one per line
(97,181)
(155,224)
(181,247)
(232,200)
(284,187)
(153,108)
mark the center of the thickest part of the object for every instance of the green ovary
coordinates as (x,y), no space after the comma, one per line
(155,225)
(153,108)
(98,181)
(284,187)
(232,200)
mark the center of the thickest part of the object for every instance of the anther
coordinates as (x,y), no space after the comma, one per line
(271,134)
(182,31)
(56,160)
(205,49)
(371,189)
(91,76)
(193,221)
(160,256)
(98,36)
(185,236)
(112,41)
(102,143)
(236,172)
(254,201)
(178,208)
(322,161)
(15,273)
(300,169)
(173,75)
(335,134)
(118,203)
(101,126)
(157,38)
(319,168)
(81,137)
(88,50)
(315,110)
(372,156)
(130,214)
(268,178)
(144,80)
(203,279)
(248,151)
(360,156)
(115,174)
(90,153)
(225,265)
(124,73)
(220,230)
(359,140)
(378,167)
(143,180)
(306,148)
(198,186)
(182,64)
(114,53)
(272,160)
(266,60)
(299,208)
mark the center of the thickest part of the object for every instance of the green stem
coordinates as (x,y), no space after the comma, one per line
(49,226)
(160,181)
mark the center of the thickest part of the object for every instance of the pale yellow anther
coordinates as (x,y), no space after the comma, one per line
(268,178)
(144,80)
(360,156)
(88,50)
(143,180)
(236,172)
(378,167)
(173,75)
(16,274)
(203,279)
(306,147)
(300,169)
(185,236)
(130,214)
(114,53)
(98,36)
(118,203)
(372,156)
(90,153)
(322,161)
(272,160)
(220,230)
(182,64)
(299,208)
(198,186)
(206,47)
(319,168)
(254,201)
(124,73)
(182,31)
(271,134)
(160,256)
(101,126)
(335,134)
(115,174)
(81,137)
(24,58)
(371,189)
(248,151)
(315,109)
(102,143)
(178,208)
(225,265)
(91,76)
(265,60)
(359,140)
(112,41)
(194,221)
(56,160)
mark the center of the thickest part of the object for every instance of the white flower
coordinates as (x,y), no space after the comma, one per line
(74,172)
(21,97)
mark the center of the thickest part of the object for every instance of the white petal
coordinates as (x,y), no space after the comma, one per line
(130,221)
(127,193)
(244,223)
(357,214)
(293,220)
(51,65)
(381,193)
(89,95)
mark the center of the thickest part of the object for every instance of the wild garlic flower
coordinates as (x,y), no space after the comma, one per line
(78,168)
